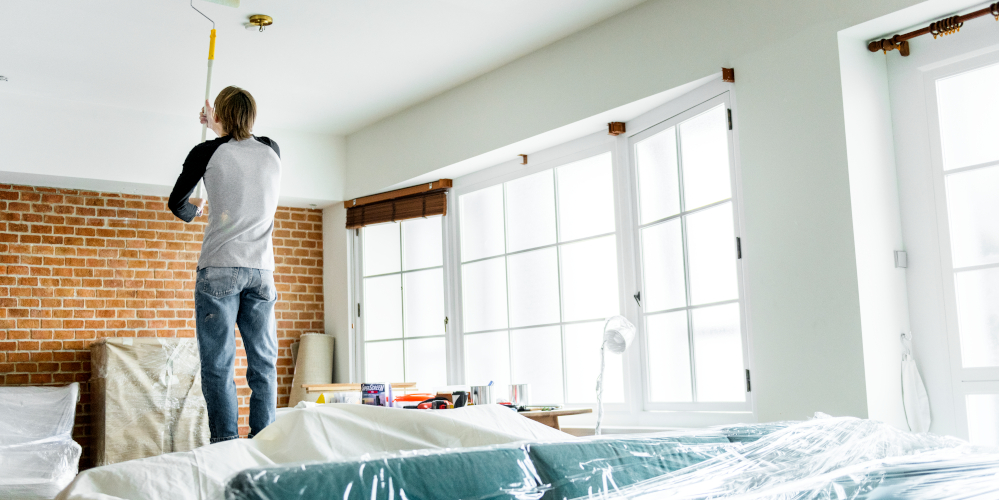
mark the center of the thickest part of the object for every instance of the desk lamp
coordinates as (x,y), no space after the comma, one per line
(618,335)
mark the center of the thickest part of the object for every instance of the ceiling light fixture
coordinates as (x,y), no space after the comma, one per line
(259,21)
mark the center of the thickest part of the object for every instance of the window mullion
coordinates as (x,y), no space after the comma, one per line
(562,329)
(506,295)
(684,253)
(402,303)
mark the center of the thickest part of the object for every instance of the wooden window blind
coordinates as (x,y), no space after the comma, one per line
(414,202)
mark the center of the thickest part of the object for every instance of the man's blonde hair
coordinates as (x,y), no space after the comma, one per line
(236,110)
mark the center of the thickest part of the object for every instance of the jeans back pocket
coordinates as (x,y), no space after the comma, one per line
(217,281)
(267,290)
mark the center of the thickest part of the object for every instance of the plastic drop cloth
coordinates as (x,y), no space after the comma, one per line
(331,432)
(834,458)
(38,456)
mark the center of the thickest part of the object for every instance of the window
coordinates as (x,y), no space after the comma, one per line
(691,301)
(536,257)
(404,306)
(967,114)
(539,276)
(968,126)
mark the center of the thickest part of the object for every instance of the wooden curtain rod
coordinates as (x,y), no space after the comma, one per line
(943,27)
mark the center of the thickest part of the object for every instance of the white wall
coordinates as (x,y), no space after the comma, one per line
(80,145)
(877,229)
(336,296)
(808,321)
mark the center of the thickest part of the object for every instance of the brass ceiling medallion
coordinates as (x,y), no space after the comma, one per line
(260,21)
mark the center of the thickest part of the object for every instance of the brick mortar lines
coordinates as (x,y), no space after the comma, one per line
(73,270)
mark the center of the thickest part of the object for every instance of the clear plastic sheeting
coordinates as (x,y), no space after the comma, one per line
(534,470)
(38,456)
(825,458)
(147,398)
(834,458)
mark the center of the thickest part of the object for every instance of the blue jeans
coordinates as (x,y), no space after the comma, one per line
(243,296)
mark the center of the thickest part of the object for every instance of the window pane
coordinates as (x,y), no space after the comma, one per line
(484,295)
(589,279)
(383,308)
(663,266)
(426,362)
(705,158)
(533,287)
(712,255)
(968,109)
(974,216)
(537,361)
(482,223)
(381,253)
(531,212)
(586,198)
(983,412)
(422,243)
(423,299)
(583,363)
(978,316)
(487,359)
(384,361)
(669,358)
(656,166)
(718,353)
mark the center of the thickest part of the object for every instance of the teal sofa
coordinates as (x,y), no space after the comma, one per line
(545,471)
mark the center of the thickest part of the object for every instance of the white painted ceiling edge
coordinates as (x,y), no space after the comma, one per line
(557,136)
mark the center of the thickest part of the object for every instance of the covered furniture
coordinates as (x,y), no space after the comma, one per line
(821,458)
(147,398)
(38,456)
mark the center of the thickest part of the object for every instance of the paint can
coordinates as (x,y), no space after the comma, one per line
(481,394)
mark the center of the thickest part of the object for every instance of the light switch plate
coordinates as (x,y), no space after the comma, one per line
(900,258)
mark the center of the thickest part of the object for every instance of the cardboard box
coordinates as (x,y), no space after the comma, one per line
(147,398)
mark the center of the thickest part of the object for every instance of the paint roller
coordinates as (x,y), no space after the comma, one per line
(208,80)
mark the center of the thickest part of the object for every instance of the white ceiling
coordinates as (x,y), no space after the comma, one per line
(329,66)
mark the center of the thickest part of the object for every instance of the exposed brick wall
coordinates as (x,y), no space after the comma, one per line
(78,266)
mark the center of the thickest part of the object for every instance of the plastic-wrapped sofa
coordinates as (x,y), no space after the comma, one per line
(535,470)
(820,458)
(38,456)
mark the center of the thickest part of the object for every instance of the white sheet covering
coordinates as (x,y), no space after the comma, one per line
(311,433)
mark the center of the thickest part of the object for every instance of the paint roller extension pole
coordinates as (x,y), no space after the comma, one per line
(208,92)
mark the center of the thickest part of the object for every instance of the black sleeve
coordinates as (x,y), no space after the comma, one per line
(270,142)
(193,171)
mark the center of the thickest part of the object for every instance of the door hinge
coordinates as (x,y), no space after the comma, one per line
(739,248)
(359,309)
(357,232)
(729,115)
(748,380)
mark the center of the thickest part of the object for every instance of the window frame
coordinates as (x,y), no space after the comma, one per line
(637,411)
(550,159)
(358,341)
(632,138)
(972,380)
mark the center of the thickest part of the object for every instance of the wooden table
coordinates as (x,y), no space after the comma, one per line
(551,417)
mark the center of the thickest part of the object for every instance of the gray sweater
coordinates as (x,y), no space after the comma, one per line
(242,180)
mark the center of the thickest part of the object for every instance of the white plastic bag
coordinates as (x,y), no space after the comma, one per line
(915,403)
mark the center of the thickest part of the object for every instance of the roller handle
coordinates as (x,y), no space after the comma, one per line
(208,91)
